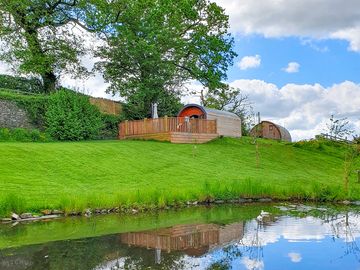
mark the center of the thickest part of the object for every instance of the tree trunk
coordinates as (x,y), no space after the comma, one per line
(48,76)
(49,81)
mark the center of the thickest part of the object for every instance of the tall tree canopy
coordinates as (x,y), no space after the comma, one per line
(159,45)
(39,36)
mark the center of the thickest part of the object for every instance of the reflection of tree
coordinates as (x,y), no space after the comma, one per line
(101,253)
(342,227)
(229,254)
(254,249)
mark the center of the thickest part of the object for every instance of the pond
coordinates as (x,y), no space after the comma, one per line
(277,236)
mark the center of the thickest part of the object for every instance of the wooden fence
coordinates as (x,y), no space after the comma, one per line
(106,106)
(167,125)
(334,138)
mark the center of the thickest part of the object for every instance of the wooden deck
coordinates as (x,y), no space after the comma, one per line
(172,129)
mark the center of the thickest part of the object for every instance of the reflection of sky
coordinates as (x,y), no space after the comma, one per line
(293,243)
(302,229)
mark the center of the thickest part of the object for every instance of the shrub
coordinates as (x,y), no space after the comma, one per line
(23,135)
(70,116)
(5,134)
(31,85)
(20,134)
(35,135)
(309,145)
(110,126)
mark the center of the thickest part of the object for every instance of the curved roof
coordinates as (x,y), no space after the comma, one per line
(207,111)
(284,133)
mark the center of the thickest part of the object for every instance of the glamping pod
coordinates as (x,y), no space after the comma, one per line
(228,124)
(269,130)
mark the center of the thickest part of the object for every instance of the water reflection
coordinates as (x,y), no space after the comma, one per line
(193,240)
(290,239)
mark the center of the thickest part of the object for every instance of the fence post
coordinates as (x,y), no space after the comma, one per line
(358,174)
(166,123)
(145,127)
(126,127)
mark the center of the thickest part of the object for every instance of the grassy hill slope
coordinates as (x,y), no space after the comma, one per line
(77,175)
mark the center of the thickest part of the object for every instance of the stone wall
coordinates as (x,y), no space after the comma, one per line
(12,116)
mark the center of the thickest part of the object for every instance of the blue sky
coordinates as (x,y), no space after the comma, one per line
(326,62)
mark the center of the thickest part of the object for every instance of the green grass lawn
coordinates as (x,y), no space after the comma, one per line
(76,175)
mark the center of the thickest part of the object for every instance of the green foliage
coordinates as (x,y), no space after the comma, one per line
(311,144)
(37,106)
(5,134)
(161,45)
(37,36)
(70,116)
(32,85)
(138,106)
(329,147)
(23,135)
(19,134)
(110,127)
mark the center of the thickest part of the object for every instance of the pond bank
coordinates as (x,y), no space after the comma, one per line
(55,214)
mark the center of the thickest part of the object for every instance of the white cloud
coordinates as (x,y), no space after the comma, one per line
(94,85)
(249,62)
(303,109)
(292,67)
(295,257)
(352,35)
(320,19)
(300,230)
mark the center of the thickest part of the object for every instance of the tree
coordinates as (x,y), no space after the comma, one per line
(231,100)
(160,45)
(138,105)
(70,116)
(339,128)
(40,36)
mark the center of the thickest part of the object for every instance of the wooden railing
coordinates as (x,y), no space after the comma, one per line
(165,125)
(334,138)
